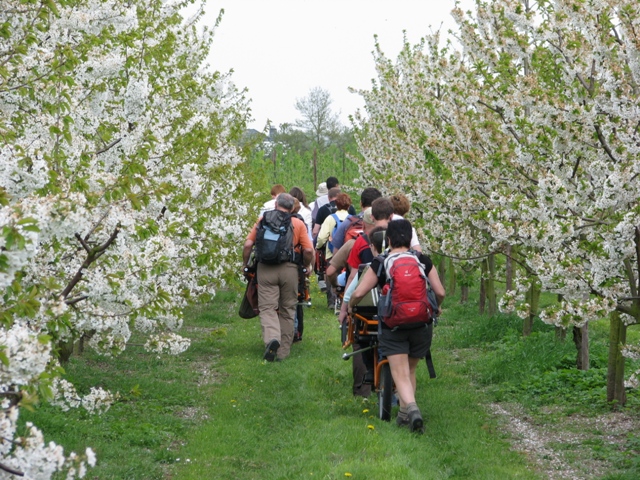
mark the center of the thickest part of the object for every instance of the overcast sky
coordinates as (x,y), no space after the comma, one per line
(281,49)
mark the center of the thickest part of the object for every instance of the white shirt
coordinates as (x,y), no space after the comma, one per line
(305,213)
(414,235)
(269,205)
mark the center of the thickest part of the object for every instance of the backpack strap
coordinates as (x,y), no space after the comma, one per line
(430,367)
(381,258)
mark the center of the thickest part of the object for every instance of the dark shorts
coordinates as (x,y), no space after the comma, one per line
(415,342)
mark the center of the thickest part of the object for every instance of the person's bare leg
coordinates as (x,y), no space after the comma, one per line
(401,374)
(403,371)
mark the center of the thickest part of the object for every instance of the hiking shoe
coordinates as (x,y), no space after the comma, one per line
(416,423)
(297,338)
(271,350)
(402,420)
(369,377)
(323,285)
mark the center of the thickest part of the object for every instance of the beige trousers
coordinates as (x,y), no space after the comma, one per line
(277,300)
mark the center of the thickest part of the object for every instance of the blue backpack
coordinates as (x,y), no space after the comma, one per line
(333,232)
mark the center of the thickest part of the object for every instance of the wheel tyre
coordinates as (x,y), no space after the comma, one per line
(385,393)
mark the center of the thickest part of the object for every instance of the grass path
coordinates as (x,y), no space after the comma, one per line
(298,419)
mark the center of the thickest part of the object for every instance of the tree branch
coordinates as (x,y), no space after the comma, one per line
(83,243)
(603,142)
(10,470)
(92,255)
(75,300)
(112,144)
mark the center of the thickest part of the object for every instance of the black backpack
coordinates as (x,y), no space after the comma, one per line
(274,239)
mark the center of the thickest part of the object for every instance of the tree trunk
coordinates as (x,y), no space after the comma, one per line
(483,286)
(615,368)
(509,269)
(561,332)
(65,350)
(533,298)
(464,293)
(451,280)
(274,157)
(315,168)
(491,285)
(442,270)
(581,340)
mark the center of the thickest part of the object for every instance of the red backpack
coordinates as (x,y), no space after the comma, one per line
(404,300)
(354,229)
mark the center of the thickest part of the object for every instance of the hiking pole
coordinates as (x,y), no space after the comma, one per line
(347,356)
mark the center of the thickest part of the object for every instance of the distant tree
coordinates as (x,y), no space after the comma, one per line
(319,121)
(292,138)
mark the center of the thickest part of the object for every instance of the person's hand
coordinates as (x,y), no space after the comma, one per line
(248,273)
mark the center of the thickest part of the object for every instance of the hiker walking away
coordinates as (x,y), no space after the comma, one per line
(401,207)
(323,241)
(377,216)
(327,209)
(342,203)
(323,198)
(275,237)
(276,190)
(303,281)
(324,253)
(305,211)
(403,347)
(351,227)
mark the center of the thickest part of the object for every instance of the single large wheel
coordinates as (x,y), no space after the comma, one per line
(385,393)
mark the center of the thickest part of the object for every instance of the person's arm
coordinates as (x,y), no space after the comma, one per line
(249,242)
(306,246)
(415,243)
(353,273)
(369,280)
(332,275)
(325,231)
(308,256)
(246,252)
(436,286)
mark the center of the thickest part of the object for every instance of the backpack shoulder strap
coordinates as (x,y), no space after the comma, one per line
(382,258)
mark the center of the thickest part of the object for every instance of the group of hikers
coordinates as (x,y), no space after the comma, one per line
(292,239)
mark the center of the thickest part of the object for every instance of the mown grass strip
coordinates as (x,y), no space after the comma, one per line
(298,419)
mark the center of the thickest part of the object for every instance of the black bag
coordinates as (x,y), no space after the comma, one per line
(274,238)
(249,304)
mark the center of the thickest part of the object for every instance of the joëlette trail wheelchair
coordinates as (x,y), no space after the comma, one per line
(361,328)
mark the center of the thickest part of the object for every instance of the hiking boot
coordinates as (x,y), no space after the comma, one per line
(402,420)
(369,377)
(416,424)
(271,350)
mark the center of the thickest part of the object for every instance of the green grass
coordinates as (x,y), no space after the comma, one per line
(219,411)
(298,419)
